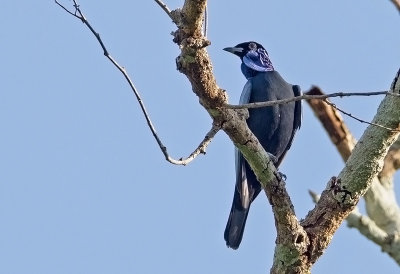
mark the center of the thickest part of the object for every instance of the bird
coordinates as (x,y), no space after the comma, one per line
(274,127)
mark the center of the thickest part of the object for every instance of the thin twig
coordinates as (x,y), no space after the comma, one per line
(309,97)
(67,10)
(333,124)
(200,149)
(323,98)
(358,119)
(165,8)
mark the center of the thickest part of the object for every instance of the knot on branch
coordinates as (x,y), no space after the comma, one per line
(179,35)
(184,40)
(190,47)
(340,193)
(177,17)
(195,43)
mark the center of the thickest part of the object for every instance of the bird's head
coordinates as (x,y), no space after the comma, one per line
(254,57)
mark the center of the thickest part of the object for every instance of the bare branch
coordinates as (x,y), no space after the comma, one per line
(343,192)
(195,63)
(392,164)
(358,119)
(297,246)
(380,200)
(390,243)
(309,97)
(199,150)
(366,227)
(165,8)
(320,97)
(67,10)
(333,123)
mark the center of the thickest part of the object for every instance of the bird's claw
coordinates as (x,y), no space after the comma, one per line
(280,176)
(273,158)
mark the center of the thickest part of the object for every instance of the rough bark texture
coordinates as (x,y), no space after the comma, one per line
(383,220)
(297,246)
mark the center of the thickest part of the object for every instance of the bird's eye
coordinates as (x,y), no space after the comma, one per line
(252,46)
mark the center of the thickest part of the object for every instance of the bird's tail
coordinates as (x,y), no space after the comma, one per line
(235,226)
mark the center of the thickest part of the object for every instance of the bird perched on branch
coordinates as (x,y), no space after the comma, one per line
(274,127)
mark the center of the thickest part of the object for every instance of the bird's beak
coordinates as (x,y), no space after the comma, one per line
(234,50)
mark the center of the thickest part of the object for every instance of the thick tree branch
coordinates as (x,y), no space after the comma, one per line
(342,138)
(380,199)
(295,251)
(363,224)
(194,62)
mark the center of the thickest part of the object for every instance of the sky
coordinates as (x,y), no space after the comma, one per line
(84,187)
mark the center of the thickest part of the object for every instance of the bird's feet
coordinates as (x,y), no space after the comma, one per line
(280,176)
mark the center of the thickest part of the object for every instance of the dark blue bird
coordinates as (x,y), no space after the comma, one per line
(274,127)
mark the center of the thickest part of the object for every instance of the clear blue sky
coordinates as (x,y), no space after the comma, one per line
(84,187)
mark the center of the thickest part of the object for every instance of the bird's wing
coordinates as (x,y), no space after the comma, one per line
(242,185)
(297,114)
(245,96)
(298,109)
(241,177)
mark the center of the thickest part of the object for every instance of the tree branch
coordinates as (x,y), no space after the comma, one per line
(333,123)
(194,62)
(381,204)
(295,251)
(390,243)
(202,146)
(366,227)
(396,3)
(356,118)
(363,224)
(392,164)
(321,96)
(309,96)
(166,9)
